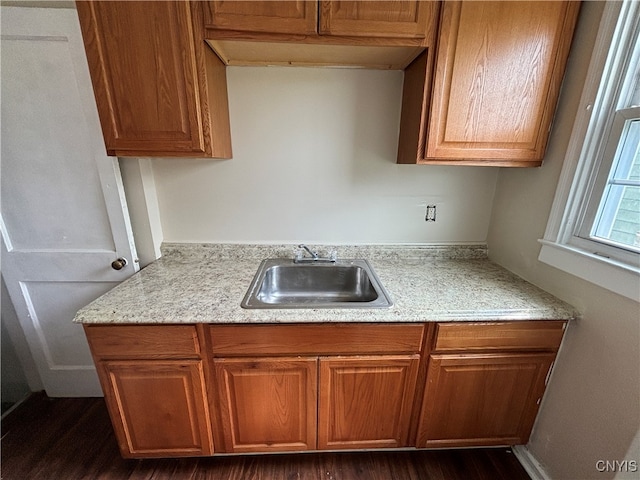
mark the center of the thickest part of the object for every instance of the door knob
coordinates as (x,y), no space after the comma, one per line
(119,263)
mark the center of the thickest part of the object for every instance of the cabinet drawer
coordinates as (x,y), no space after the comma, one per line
(242,340)
(533,335)
(145,341)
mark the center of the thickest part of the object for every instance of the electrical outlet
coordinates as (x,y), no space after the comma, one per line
(430,216)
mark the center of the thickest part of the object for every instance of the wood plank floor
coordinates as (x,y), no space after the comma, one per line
(72,439)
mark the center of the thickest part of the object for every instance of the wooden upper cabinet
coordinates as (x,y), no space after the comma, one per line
(293,17)
(158,88)
(386,35)
(401,19)
(498,71)
(394,19)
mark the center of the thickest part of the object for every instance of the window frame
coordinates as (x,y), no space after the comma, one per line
(564,245)
(591,207)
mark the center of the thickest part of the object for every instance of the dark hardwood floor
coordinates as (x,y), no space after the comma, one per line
(71,439)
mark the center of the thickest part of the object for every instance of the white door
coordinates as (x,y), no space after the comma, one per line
(64,217)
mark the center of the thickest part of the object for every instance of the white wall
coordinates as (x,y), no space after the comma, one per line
(142,203)
(591,410)
(314,160)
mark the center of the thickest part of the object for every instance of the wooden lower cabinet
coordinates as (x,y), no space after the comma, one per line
(267,404)
(285,404)
(482,399)
(172,389)
(365,402)
(308,387)
(158,407)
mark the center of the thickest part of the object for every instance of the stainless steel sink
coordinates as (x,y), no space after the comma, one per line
(281,283)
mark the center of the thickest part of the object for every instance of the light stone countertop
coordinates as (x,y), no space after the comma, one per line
(195,283)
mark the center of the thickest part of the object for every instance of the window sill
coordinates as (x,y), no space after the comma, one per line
(617,277)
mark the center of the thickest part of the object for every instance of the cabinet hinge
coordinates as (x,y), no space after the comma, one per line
(546,380)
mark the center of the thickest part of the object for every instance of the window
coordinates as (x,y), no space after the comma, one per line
(594,227)
(615,218)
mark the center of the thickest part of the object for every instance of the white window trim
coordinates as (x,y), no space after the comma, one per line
(591,207)
(557,249)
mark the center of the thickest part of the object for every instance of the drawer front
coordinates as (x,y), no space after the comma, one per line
(143,341)
(239,340)
(520,335)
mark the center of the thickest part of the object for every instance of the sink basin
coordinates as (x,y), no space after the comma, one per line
(281,283)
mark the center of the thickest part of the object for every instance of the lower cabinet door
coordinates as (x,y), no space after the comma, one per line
(158,407)
(482,399)
(366,401)
(267,404)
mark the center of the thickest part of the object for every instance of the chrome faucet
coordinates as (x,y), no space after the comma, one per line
(300,258)
(314,255)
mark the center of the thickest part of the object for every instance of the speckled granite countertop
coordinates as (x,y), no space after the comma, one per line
(194,283)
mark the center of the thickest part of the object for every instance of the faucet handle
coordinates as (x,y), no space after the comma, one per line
(299,256)
(313,254)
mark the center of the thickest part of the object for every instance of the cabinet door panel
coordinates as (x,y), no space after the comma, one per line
(397,19)
(294,17)
(365,402)
(499,67)
(482,399)
(158,407)
(268,404)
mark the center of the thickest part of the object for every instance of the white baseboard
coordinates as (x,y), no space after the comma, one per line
(529,463)
(16,405)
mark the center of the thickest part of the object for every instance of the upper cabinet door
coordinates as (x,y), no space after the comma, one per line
(499,68)
(401,19)
(294,17)
(149,77)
